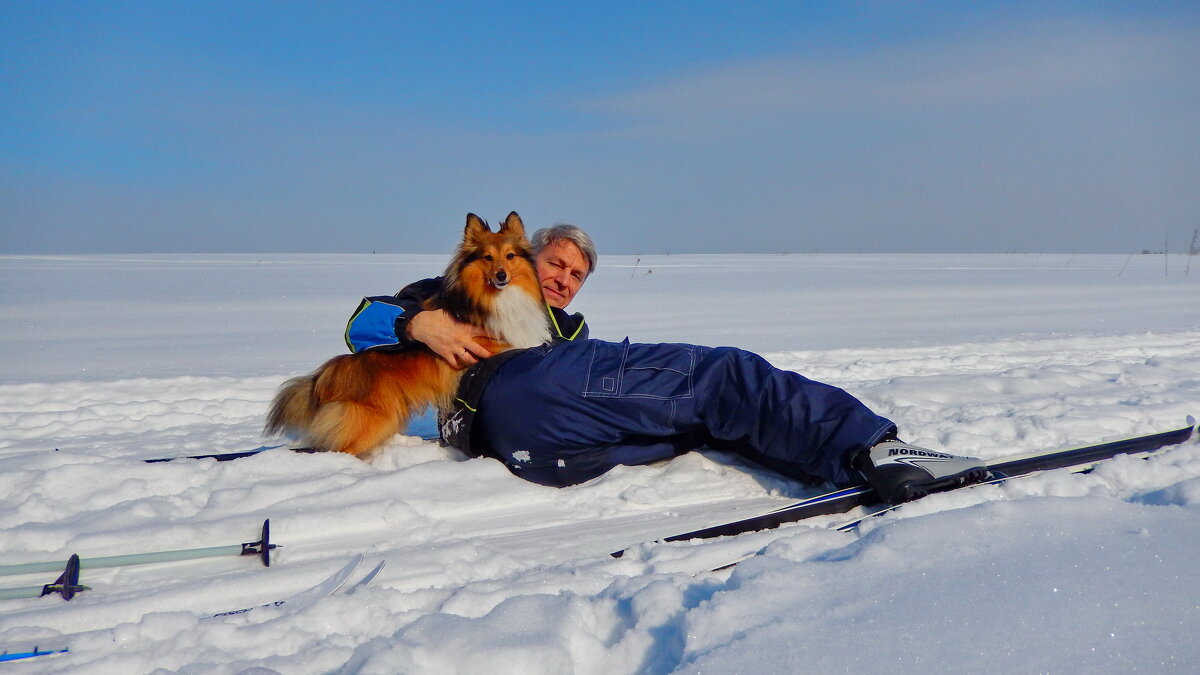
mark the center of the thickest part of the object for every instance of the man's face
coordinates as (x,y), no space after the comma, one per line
(562,268)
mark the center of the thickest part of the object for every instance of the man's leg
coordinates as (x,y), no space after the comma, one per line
(571,412)
(797,426)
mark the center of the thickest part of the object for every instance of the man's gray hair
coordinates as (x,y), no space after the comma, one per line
(569,233)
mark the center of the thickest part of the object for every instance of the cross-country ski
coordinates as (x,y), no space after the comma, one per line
(327,587)
(840,501)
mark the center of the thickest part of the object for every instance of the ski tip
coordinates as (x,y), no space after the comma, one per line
(366,581)
(339,578)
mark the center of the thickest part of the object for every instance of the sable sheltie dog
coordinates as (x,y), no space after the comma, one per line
(354,403)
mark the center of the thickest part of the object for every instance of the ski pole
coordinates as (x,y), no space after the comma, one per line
(67,585)
(261,548)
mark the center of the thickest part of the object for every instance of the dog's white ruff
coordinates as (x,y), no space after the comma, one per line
(518,319)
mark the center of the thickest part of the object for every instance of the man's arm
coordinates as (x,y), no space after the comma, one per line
(399,323)
(447,337)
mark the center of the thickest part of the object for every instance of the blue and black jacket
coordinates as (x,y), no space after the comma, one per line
(381,322)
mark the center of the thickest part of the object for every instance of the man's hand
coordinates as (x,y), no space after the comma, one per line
(449,338)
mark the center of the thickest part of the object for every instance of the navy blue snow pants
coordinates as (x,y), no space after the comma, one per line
(565,413)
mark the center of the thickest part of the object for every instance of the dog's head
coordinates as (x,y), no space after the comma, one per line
(492,282)
(498,257)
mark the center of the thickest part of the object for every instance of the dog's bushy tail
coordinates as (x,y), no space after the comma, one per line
(354,403)
(293,409)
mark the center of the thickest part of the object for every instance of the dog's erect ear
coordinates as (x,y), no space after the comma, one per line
(475,226)
(513,224)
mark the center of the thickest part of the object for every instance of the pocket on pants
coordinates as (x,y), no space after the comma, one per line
(661,371)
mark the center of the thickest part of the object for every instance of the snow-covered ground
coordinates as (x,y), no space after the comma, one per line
(108,360)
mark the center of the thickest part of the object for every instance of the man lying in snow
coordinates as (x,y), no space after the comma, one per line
(568,411)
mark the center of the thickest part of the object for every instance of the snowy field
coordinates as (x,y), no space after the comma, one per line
(108,360)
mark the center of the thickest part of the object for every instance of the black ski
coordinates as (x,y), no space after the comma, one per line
(840,501)
(229,456)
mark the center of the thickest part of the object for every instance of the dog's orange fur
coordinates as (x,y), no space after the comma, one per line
(354,403)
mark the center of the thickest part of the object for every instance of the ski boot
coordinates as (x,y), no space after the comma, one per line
(899,472)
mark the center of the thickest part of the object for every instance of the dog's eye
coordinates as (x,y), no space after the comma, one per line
(488,258)
(511,256)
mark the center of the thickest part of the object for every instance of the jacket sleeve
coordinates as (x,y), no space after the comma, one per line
(381,321)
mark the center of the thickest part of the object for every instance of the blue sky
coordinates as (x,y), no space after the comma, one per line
(660,127)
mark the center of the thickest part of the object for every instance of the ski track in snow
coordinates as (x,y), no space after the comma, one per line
(952,395)
(488,573)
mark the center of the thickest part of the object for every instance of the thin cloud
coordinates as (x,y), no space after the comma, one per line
(1058,59)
